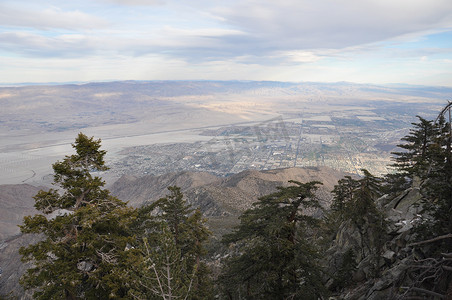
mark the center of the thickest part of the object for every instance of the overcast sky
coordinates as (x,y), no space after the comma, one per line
(366,41)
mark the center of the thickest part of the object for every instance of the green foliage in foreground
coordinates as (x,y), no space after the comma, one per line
(275,257)
(85,230)
(95,247)
(354,200)
(172,247)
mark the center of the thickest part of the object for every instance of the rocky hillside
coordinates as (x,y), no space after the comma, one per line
(221,199)
(404,265)
(396,256)
(137,190)
(12,268)
(217,196)
(16,201)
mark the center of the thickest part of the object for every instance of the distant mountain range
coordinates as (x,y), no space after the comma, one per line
(49,106)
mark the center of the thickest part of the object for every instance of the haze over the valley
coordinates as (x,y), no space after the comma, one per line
(219,127)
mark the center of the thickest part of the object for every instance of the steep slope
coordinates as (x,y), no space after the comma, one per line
(404,261)
(241,190)
(16,201)
(12,268)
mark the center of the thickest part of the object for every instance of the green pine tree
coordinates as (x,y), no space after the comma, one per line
(162,273)
(85,232)
(354,202)
(186,227)
(414,160)
(274,255)
(343,194)
(428,156)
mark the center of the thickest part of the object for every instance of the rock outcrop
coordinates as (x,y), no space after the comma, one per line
(12,268)
(394,259)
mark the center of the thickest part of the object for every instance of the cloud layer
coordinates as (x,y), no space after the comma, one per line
(304,35)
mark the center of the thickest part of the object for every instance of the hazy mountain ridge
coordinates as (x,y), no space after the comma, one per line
(16,202)
(94,104)
(218,196)
(12,267)
(137,190)
(228,195)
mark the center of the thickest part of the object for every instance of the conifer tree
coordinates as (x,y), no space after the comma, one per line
(354,200)
(85,232)
(175,212)
(365,194)
(414,161)
(429,157)
(343,194)
(163,271)
(187,230)
(436,188)
(274,257)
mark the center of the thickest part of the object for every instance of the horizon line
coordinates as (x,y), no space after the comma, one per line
(53,83)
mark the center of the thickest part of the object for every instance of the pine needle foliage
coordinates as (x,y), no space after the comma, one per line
(428,157)
(85,231)
(274,256)
(173,243)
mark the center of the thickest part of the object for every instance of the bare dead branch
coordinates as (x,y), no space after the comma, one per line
(447,268)
(441,237)
(108,257)
(419,290)
(158,280)
(191,282)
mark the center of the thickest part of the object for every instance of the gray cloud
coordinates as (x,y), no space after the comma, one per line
(36,45)
(260,32)
(306,24)
(191,44)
